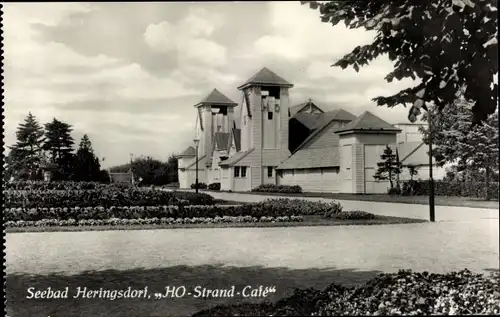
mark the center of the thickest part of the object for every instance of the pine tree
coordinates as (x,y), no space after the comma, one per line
(25,155)
(87,166)
(481,148)
(389,168)
(446,44)
(450,128)
(59,145)
(412,170)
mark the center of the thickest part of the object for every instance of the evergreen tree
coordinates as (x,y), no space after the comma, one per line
(450,128)
(87,167)
(481,148)
(25,155)
(389,168)
(59,146)
(412,170)
(446,44)
(173,169)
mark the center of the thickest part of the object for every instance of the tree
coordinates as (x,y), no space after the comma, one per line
(412,170)
(450,128)
(173,169)
(87,166)
(389,168)
(59,145)
(448,45)
(25,155)
(481,148)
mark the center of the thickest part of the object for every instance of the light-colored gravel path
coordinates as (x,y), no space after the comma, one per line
(437,247)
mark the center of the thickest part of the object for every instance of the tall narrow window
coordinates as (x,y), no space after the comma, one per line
(270,115)
(243,171)
(269,171)
(236,171)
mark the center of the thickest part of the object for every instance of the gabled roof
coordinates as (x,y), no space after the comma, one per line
(312,158)
(233,159)
(368,122)
(216,98)
(221,141)
(309,120)
(296,109)
(266,77)
(324,120)
(189,152)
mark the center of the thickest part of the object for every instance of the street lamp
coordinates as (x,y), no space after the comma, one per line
(431,181)
(196,141)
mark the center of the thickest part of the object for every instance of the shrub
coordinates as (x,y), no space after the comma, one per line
(57,185)
(354,215)
(394,191)
(106,198)
(453,188)
(200,186)
(214,186)
(402,293)
(271,188)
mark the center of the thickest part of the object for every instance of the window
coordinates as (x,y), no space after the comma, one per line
(240,171)
(269,171)
(270,115)
(236,171)
(243,171)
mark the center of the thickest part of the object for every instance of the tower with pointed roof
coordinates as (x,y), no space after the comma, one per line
(215,114)
(264,122)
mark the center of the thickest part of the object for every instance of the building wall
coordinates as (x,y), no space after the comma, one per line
(313,180)
(226,178)
(346,165)
(208,132)
(372,154)
(243,183)
(409,133)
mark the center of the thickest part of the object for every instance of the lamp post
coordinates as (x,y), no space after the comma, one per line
(196,141)
(431,180)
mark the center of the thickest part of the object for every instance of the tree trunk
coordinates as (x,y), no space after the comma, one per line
(487,176)
(390,178)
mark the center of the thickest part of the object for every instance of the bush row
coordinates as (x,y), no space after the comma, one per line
(214,186)
(272,207)
(200,186)
(58,185)
(106,198)
(148,221)
(403,293)
(271,188)
(454,188)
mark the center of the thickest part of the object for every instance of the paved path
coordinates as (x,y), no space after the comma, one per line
(443,213)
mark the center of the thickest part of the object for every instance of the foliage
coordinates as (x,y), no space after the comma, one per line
(412,170)
(58,144)
(450,127)
(446,44)
(112,196)
(24,157)
(389,168)
(200,185)
(354,215)
(87,167)
(272,188)
(450,188)
(151,171)
(214,186)
(403,293)
(46,186)
(481,148)
(394,191)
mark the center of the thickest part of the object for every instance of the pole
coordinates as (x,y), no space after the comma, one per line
(431,181)
(196,182)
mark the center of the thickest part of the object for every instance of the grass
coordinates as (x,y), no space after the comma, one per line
(419,200)
(285,280)
(309,221)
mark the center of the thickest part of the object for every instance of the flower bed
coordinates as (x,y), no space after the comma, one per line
(106,198)
(147,221)
(271,188)
(402,293)
(59,185)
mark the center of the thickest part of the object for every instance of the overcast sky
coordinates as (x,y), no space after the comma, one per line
(129,74)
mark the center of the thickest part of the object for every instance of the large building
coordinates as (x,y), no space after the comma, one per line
(271,142)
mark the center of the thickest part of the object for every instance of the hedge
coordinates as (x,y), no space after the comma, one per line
(268,208)
(200,186)
(271,188)
(104,198)
(59,185)
(214,186)
(454,188)
(403,293)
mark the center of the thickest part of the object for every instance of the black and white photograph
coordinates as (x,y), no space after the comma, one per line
(251,158)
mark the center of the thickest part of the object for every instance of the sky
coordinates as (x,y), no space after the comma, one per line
(129,74)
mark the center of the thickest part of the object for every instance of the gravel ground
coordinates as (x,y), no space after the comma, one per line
(436,247)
